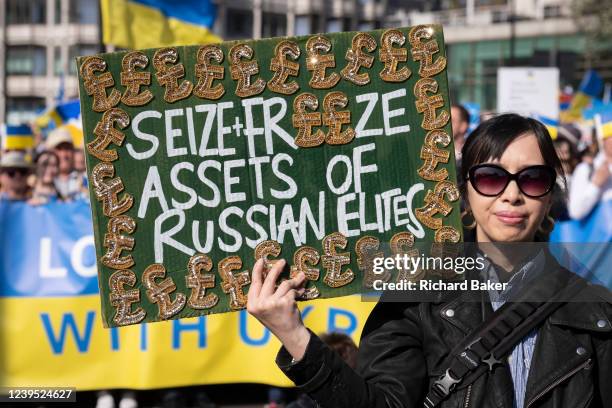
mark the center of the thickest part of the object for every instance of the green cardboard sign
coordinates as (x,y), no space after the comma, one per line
(319,149)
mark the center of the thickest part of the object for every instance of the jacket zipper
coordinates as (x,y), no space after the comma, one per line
(559,381)
(467,397)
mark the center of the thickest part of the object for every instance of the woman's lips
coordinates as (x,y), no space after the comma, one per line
(510,217)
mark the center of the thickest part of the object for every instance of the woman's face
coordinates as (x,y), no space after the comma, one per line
(49,169)
(511,216)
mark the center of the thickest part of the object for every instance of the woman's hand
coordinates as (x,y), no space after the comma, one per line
(277,309)
(600,176)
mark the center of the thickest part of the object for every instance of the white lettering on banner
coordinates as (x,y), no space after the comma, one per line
(77,254)
(44,261)
(77,258)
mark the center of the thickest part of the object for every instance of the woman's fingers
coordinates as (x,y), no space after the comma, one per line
(270,282)
(290,284)
(256,278)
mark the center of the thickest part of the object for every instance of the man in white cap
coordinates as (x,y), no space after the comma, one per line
(69,183)
(14,171)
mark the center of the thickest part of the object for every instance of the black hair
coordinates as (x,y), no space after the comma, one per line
(491,138)
(465,115)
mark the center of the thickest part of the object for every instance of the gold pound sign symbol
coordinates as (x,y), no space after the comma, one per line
(133,79)
(423,51)
(333,261)
(367,249)
(282,68)
(391,56)
(95,85)
(434,204)
(334,119)
(427,104)
(303,261)
(441,249)
(432,155)
(357,58)
(107,191)
(122,299)
(264,250)
(232,283)
(402,244)
(318,61)
(198,282)
(168,75)
(115,242)
(106,134)
(159,292)
(304,121)
(207,73)
(242,71)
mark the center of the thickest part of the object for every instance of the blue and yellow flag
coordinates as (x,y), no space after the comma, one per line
(17,137)
(552,125)
(604,123)
(138,24)
(58,115)
(590,87)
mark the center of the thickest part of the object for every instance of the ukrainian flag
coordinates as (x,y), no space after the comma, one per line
(590,87)
(58,115)
(552,125)
(138,24)
(17,137)
(604,123)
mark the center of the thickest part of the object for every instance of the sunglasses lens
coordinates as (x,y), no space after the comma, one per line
(489,181)
(536,181)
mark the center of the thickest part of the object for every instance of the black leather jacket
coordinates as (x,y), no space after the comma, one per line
(403,349)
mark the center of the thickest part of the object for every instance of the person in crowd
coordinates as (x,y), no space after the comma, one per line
(567,152)
(565,146)
(47,170)
(460,119)
(591,182)
(14,171)
(509,171)
(68,182)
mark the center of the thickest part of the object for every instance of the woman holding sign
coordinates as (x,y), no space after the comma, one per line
(530,352)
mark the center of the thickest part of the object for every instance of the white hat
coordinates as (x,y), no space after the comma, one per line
(14,160)
(57,137)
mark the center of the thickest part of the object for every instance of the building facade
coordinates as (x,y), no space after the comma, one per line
(40,38)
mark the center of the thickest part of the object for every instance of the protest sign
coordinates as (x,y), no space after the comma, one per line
(528,91)
(318,149)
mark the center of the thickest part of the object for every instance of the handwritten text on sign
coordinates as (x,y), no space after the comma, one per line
(318,149)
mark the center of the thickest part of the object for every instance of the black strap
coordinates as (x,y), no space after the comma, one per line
(495,338)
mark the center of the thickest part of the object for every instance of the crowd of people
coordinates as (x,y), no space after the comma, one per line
(53,171)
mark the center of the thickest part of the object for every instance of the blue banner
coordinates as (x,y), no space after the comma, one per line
(588,241)
(46,250)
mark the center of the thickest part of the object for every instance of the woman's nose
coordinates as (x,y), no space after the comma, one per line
(512,193)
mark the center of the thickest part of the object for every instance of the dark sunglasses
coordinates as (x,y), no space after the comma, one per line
(491,180)
(14,172)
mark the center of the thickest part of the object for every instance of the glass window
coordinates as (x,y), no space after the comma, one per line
(79,50)
(83,11)
(58,11)
(238,24)
(25,12)
(26,60)
(58,68)
(23,110)
(334,25)
(302,25)
(274,25)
